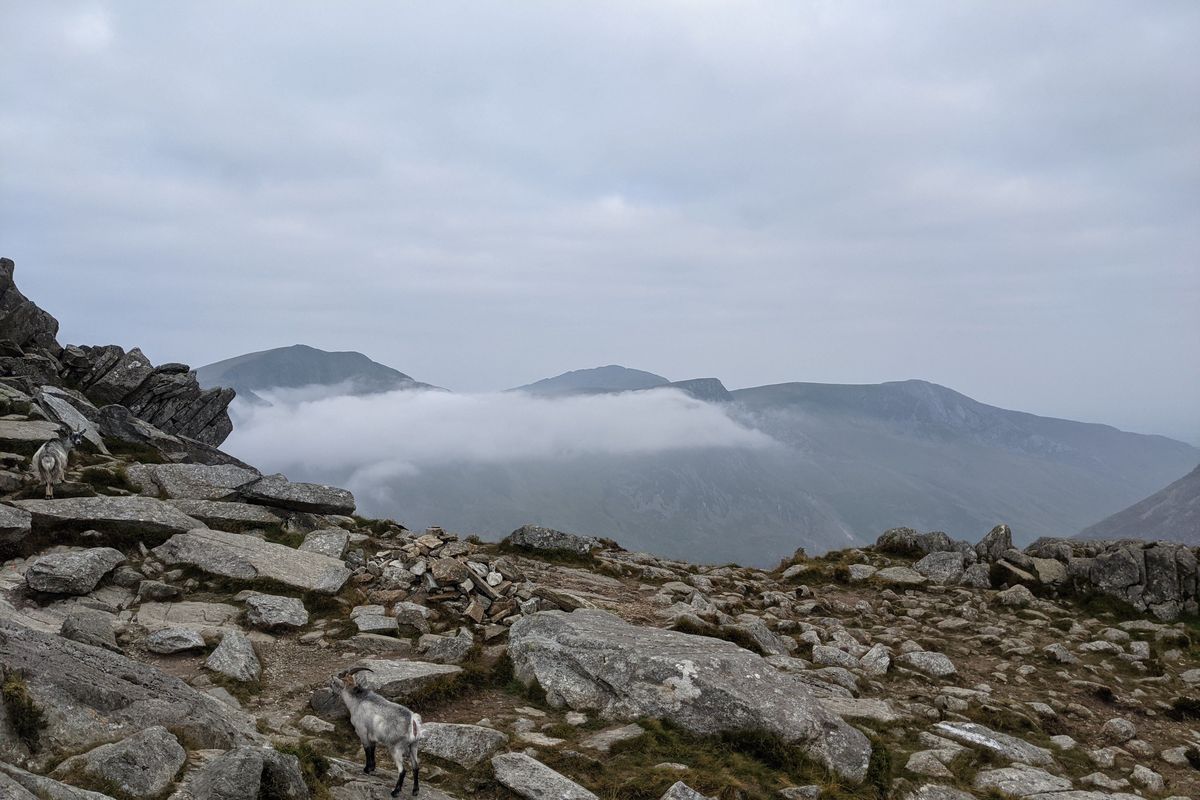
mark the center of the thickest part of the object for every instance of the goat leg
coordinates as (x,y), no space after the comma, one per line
(416,780)
(370,767)
(399,782)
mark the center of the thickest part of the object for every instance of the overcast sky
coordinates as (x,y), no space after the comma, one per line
(999,197)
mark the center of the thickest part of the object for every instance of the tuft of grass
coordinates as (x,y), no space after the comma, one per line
(880,770)
(313,766)
(1184,708)
(140,453)
(552,556)
(727,633)
(378,527)
(24,715)
(735,765)
(107,478)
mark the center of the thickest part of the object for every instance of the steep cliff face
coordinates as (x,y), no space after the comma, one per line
(167,396)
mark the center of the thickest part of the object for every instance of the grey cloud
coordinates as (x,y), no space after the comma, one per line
(375,439)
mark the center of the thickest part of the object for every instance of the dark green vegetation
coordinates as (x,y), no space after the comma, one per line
(550,556)
(24,715)
(728,633)
(737,765)
(313,766)
(107,478)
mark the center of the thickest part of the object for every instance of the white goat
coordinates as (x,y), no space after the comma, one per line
(50,460)
(378,720)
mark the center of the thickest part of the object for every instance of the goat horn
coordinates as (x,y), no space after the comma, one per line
(354,670)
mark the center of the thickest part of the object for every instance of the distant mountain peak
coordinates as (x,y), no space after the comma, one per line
(597,380)
(300,365)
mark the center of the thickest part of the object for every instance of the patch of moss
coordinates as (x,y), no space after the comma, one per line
(313,766)
(1184,708)
(746,765)
(730,634)
(105,479)
(552,556)
(25,717)
(140,453)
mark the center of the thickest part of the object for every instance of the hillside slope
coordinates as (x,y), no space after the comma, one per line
(1172,514)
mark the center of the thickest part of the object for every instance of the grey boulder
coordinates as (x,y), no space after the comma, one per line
(74,572)
(247,773)
(943,567)
(234,555)
(89,626)
(994,545)
(980,737)
(330,542)
(167,641)
(278,491)
(140,766)
(593,660)
(465,745)
(190,481)
(531,779)
(15,524)
(268,611)
(228,516)
(234,658)
(121,515)
(681,791)
(396,680)
(535,537)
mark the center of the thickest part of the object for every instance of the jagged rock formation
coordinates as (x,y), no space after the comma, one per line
(167,396)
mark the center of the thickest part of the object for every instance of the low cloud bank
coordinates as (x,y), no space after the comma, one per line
(376,439)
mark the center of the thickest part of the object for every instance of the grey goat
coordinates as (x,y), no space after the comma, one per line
(50,460)
(378,720)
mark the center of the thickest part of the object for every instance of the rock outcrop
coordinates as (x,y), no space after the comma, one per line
(89,696)
(168,396)
(594,661)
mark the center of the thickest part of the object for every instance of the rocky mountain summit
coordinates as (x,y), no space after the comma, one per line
(95,378)
(170,621)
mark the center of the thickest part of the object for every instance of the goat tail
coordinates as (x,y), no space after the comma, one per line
(415,729)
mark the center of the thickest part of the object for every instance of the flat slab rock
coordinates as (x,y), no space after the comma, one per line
(92,696)
(983,738)
(74,572)
(26,436)
(190,481)
(22,785)
(15,524)
(225,515)
(396,679)
(278,491)
(465,745)
(234,555)
(531,779)
(591,660)
(190,614)
(142,515)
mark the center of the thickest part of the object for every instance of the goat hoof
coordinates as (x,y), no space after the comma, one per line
(396,793)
